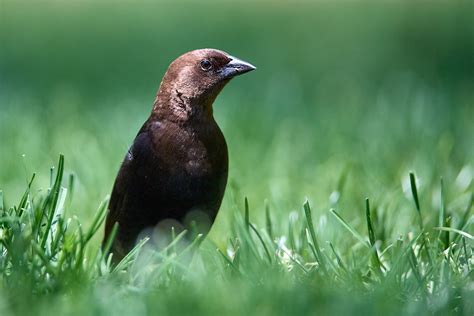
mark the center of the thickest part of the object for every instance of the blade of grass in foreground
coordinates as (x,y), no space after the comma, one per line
(49,212)
(70,187)
(24,198)
(108,243)
(454,230)
(369,223)
(371,232)
(228,261)
(414,192)
(292,258)
(174,241)
(268,220)
(443,236)
(99,218)
(349,228)
(1,203)
(128,259)
(309,221)
(244,232)
(338,258)
(262,242)
(247,214)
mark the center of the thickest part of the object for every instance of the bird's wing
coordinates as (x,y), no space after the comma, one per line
(117,197)
(125,189)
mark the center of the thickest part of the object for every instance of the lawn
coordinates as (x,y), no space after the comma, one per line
(351,157)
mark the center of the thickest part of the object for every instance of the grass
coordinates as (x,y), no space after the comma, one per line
(426,271)
(351,158)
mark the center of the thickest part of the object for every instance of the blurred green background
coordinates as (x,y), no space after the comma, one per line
(347,98)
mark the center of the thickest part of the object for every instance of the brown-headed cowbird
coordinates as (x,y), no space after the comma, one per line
(178,162)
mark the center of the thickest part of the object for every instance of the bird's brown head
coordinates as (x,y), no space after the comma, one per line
(193,81)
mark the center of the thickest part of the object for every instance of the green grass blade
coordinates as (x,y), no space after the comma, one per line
(59,235)
(415,266)
(194,245)
(310,244)
(53,201)
(174,241)
(71,186)
(338,258)
(268,220)
(292,258)
(291,236)
(372,239)
(454,230)
(262,242)
(2,206)
(349,228)
(414,192)
(98,220)
(128,259)
(443,236)
(343,178)
(464,248)
(309,221)
(24,198)
(247,214)
(228,261)
(173,237)
(369,223)
(57,216)
(108,243)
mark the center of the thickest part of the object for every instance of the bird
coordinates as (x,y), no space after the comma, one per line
(178,162)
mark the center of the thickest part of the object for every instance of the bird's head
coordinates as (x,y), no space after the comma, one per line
(193,81)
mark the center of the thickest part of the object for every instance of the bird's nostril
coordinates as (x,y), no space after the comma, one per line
(237,67)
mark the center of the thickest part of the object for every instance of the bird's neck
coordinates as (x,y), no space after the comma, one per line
(175,105)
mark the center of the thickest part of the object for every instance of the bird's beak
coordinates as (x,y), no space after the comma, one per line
(236,67)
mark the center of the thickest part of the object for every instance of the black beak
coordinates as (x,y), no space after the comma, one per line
(236,67)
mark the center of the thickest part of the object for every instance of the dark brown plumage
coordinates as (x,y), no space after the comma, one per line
(178,162)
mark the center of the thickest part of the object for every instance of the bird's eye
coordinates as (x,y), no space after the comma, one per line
(206,65)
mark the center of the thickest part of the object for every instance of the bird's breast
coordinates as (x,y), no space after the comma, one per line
(198,167)
(194,155)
